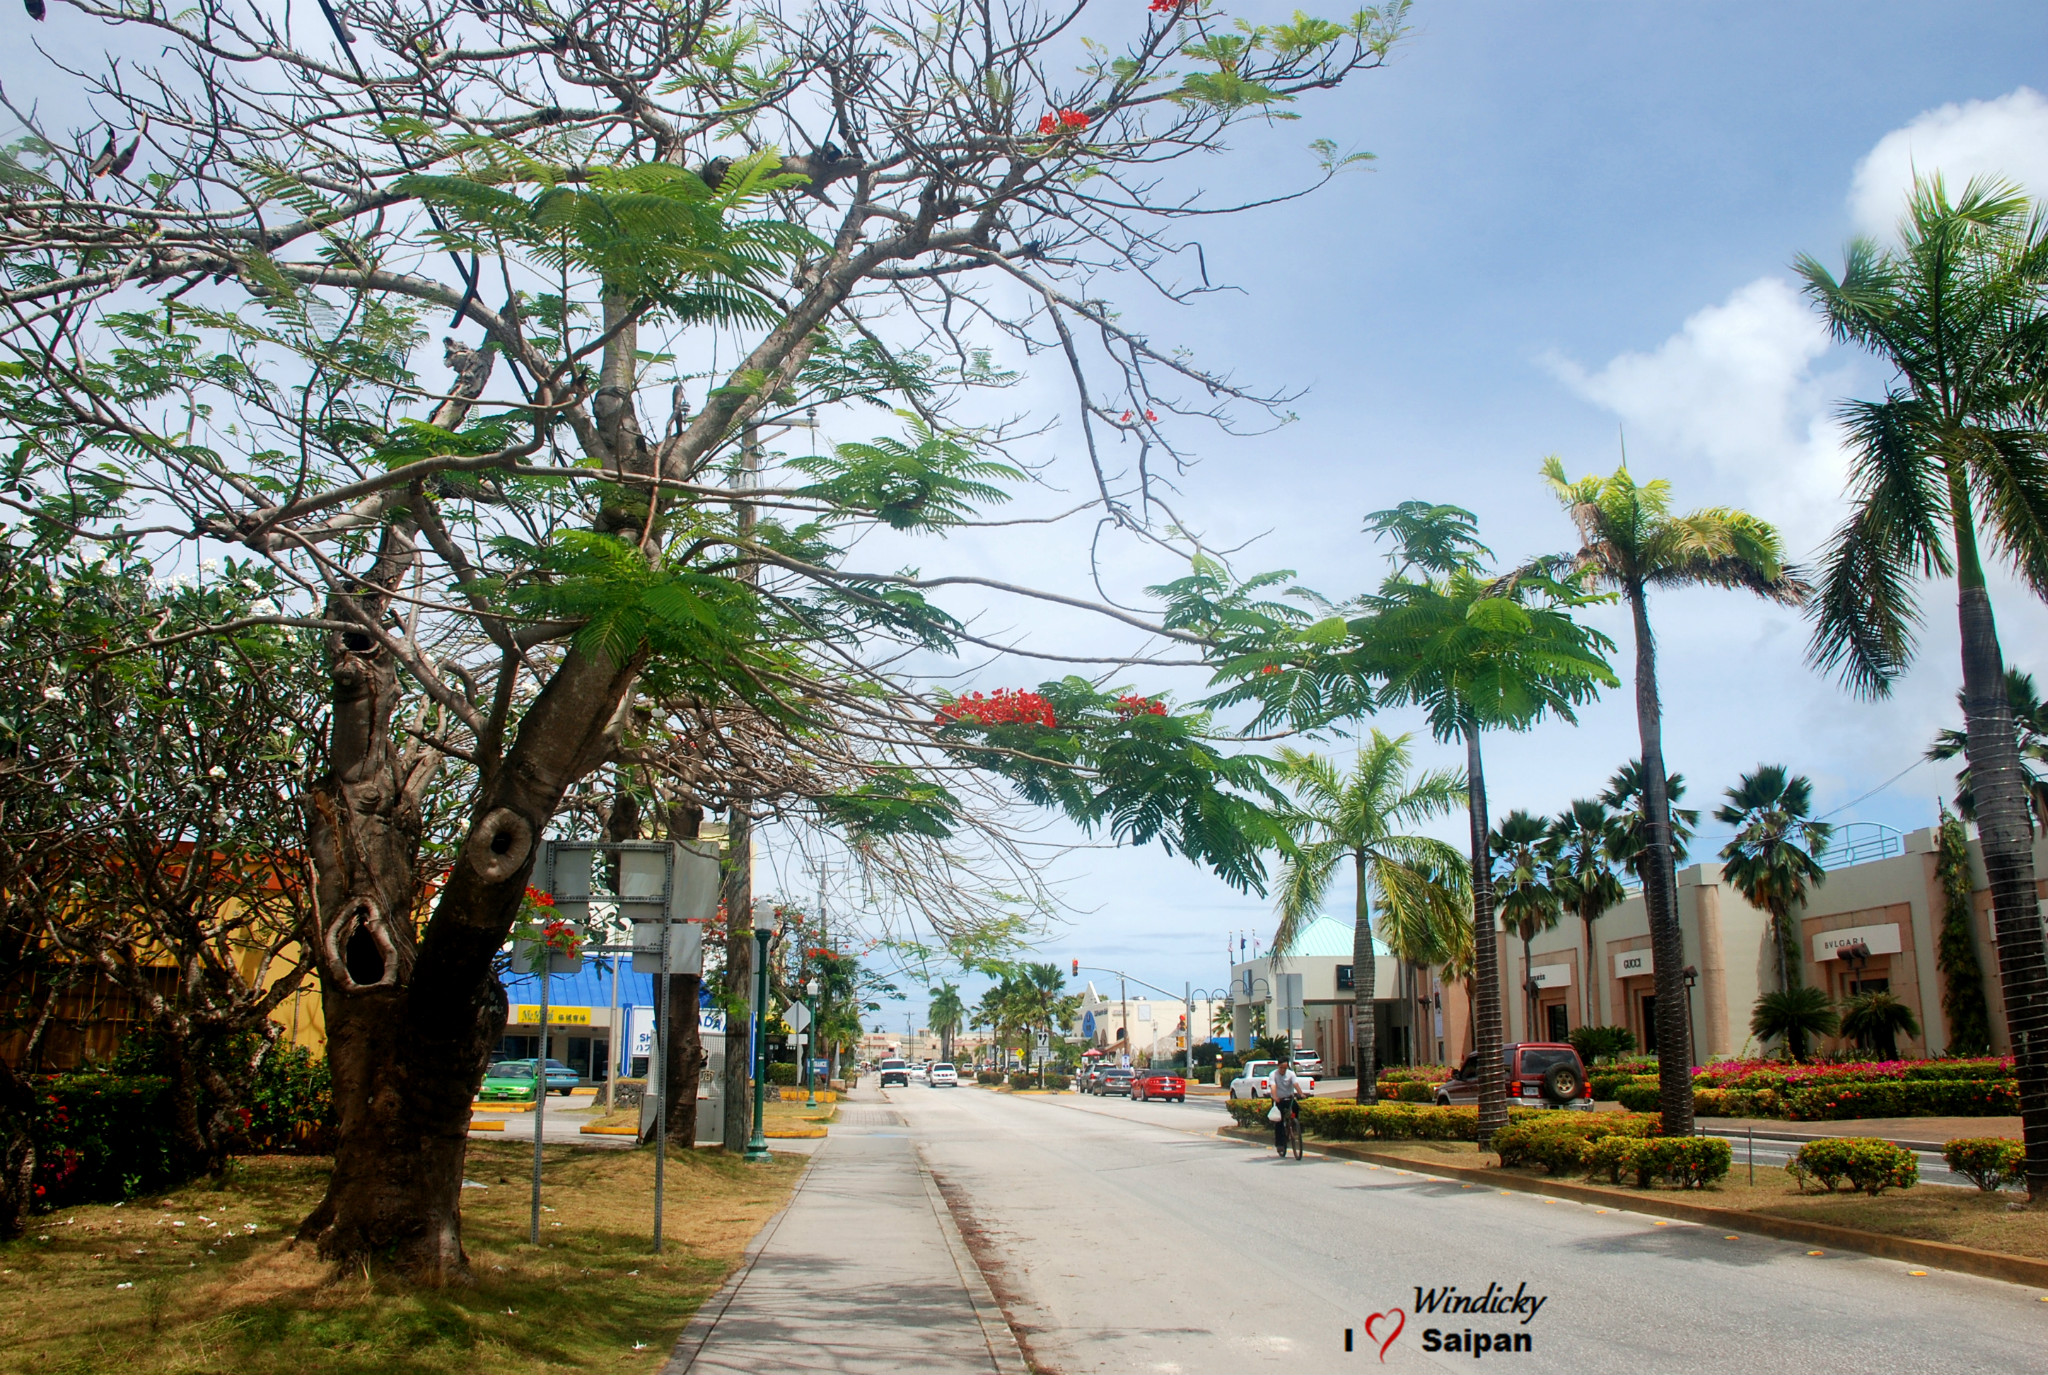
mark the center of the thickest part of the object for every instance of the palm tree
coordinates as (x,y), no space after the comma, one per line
(1477,653)
(1585,843)
(1771,861)
(1629,540)
(2030,722)
(1877,1019)
(1363,816)
(947,1012)
(1624,793)
(1794,1014)
(1528,905)
(1950,459)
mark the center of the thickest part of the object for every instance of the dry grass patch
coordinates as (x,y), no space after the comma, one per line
(1961,1217)
(126,1287)
(775,1115)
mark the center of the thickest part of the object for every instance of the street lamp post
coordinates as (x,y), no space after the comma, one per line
(764,927)
(811,1048)
(1692,976)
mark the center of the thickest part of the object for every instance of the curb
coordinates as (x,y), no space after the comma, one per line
(609,1131)
(1968,1260)
(1005,1352)
(477,1126)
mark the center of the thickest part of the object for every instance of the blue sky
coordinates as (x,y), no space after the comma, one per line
(1580,218)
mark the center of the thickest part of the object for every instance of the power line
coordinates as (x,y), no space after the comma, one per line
(1876,790)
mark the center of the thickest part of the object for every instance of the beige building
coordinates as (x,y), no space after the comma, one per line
(1149,1028)
(1870,925)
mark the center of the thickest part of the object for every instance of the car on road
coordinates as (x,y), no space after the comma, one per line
(1308,1062)
(1540,1074)
(1113,1081)
(1084,1079)
(1158,1083)
(895,1072)
(1256,1080)
(943,1076)
(512,1081)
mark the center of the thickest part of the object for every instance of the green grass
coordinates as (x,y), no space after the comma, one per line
(218,1298)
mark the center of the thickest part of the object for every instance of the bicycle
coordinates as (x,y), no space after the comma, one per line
(1290,1116)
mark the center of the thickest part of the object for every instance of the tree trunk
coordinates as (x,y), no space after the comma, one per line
(685,1059)
(1364,973)
(1660,887)
(2005,836)
(738,990)
(1528,993)
(1596,975)
(1486,1030)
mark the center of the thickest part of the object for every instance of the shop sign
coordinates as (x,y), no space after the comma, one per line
(1551,976)
(1879,940)
(529,1014)
(1631,964)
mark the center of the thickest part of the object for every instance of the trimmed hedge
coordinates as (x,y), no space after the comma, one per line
(1559,1141)
(1864,1163)
(783,1073)
(1905,1098)
(1989,1162)
(1336,1119)
(1415,1074)
(1690,1162)
(987,1076)
(1408,1090)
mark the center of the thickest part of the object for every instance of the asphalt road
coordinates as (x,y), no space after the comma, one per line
(1127,1237)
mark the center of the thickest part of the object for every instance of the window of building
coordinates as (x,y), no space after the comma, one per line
(1344,980)
(1559,1026)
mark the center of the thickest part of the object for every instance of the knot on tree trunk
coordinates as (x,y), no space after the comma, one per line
(499,846)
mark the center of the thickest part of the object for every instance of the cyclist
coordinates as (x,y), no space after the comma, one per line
(1287,1098)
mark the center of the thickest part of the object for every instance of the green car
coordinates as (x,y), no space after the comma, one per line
(508,1081)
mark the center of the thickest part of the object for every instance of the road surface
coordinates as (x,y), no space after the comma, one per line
(1126,1237)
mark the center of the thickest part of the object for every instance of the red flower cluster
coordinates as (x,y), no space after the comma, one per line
(1135,705)
(534,895)
(1270,668)
(1165,6)
(1063,122)
(1001,707)
(561,937)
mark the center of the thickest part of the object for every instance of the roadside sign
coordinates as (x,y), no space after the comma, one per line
(1044,1039)
(797,1015)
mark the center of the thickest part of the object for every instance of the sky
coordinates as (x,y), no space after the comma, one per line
(1578,231)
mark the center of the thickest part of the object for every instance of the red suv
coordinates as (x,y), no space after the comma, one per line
(1540,1074)
(1158,1083)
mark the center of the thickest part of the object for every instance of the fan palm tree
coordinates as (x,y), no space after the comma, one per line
(1364,817)
(1793,1014)
(1772,859)
(1528,904)
(1951,459)
(2030,724)
(1877,1020)
(1477,653)
(1624,793)
(946,1014)
(1584,844)
(1630,540)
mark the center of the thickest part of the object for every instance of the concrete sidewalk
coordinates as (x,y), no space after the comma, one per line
(864,1273)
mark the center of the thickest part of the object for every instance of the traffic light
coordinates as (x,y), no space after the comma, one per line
(1077,969)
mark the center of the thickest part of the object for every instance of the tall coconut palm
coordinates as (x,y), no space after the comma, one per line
(1773,859)
(2030,727)
(1528,904)
(1630,540)
(1953,459)
(946,1015)
(1364,816)
(1585,843)
(1477,653)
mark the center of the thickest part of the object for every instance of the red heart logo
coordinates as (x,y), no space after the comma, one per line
(1399,1319)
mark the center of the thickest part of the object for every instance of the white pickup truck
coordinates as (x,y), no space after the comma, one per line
(1256,1080)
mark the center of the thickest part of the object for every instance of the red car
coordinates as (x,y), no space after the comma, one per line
(1158,1083)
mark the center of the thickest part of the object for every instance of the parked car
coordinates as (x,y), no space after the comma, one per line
(1111,1081)
(1158,1083)
(943,1076)
(1308,1062)
(518,1075)
(895,1072)
(1084,1078)
(1256,1080)
(1541,1074)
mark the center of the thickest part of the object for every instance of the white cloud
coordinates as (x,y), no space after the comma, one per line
(2006,137)
(1736,390)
